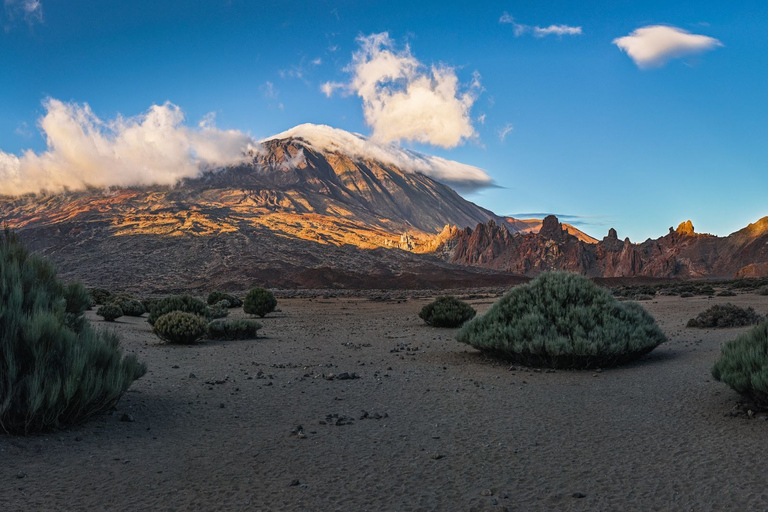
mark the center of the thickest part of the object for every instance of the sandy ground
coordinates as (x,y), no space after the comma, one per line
(456,432)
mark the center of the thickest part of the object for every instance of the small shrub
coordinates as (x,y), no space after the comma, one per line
(149,303)
(185,303)
(233,329)
(726,293)
(686,295)
(55,370)
(725,315)
(110,312)
(179,327)
(129,305)
(216,297)
(565,321)
(219,310)
(100,295)
(447,311)
(763,291)
(259,301)
(743,365)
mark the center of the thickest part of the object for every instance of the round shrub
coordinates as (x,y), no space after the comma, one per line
(259,301)
(185,303)
(110,312)
(233,329)
(100,295)
(743,365)
(219,310)
(726,293)
(563,320)
(447,311)
(179,327)
(216,297)
(763,290)
(725,315)
(55,370)
(129,305)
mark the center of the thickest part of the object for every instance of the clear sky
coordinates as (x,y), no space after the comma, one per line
(636,115)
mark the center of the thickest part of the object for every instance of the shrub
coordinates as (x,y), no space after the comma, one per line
(185,303)
(55,370)
(743,365)
(100,295)
(149,303)
(725,315)
(233,329)
(726,293)
(219,310)
(763,291)
(216,297)
(686,295)
(565,321)
(110,312)
(129,305)
(179,327)
(259,301)
(447,311)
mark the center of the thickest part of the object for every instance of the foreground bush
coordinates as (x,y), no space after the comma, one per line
(185,303)
(109,312)
(259,301)
(447,311)
(55,371)
(563,320)
(725,315)
(233,329)
(179,327)
(129,305)
(216,297)
(743,365)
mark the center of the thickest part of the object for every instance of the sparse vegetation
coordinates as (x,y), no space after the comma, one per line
(216,297)
(100,295)
(185,303)
(743,365)
(219,310)
(725,315)
(129,305)
(447,311)
(565,321)
(179,327)
(259,301)
(55,370)
(233,329)
(110,312)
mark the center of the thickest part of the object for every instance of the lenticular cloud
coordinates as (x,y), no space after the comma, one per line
(154,148)
(655,45)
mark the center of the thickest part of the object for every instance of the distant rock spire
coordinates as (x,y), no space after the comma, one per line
(685,228)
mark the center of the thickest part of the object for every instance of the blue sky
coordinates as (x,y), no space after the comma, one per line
(595,133)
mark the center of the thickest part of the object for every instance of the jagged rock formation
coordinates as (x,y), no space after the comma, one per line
(681,253)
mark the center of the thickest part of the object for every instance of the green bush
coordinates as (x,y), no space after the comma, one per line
(725,315)
(55,370)
(219,310)
(233,329)
(179,327)
(110,312)
(447,311)
(185,303)
(726,293)
(129,305)
(565,321)
(149,303)
(216,297)
(100,295)
(259,301)
(743,365)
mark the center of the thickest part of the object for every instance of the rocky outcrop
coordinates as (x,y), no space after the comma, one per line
(681,253)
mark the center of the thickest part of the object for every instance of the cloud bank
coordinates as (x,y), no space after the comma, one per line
(557,30)
(325,138)
(403,100)
(655,45)
(154,148)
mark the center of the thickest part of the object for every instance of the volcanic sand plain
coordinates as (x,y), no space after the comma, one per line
(215,424)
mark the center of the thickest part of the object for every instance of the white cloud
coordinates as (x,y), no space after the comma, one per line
(269,91)
(356,146)
(655,45)
(504,131)
(30,10)
(152,148)
(405,100)
(317,61)
(329,88)
(557,30)
(481,119)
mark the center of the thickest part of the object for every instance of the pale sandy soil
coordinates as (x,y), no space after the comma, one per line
(649,436)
